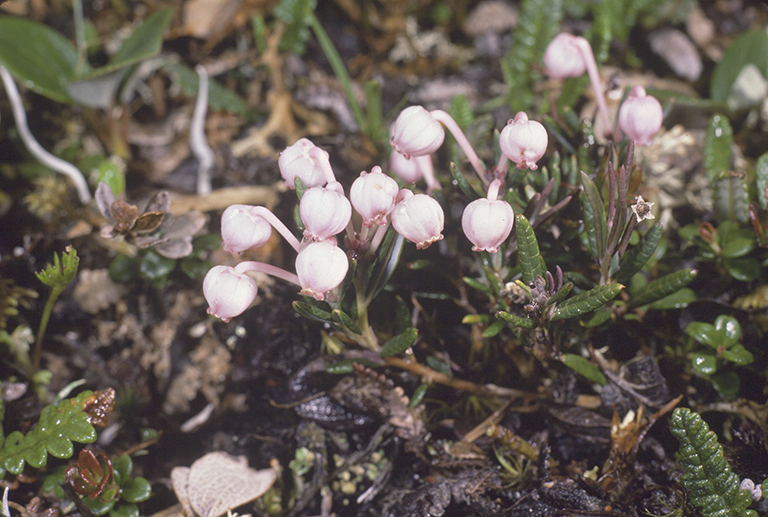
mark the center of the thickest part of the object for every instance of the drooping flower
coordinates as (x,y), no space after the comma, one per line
(418,218)
(563,58)
(243,229)
(307,161)
(523,141)
(229,292)
(373,196)
(321,267)
(487,222)
(325,211)
(416,132)
(640,116)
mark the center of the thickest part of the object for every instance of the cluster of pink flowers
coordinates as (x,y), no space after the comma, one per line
(325,211)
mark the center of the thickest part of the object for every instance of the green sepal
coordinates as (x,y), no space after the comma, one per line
(494,328)
(598,213)
(528,254)
(584,367)
(463,184)
(345,321)
(311,312)
(587,301)
(400,343)
(636,257)
(662,287)
(526,323)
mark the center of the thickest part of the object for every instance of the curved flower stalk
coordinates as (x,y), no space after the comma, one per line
(245,227)
(487,222)
(413,169)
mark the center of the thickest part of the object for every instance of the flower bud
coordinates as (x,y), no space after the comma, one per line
(487,223)
(229,292)
(373,196)
(324,211)
(523,141)
(418,218)
(563,58)
(640,116)
(416,132)
(321,267)
(303,159)
(242,229)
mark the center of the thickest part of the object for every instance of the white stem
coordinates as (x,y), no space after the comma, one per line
(33,146)
(427,170)
(197,140)
(278,225)
(245,267)
(461,139)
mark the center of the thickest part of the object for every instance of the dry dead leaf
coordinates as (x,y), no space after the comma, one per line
(218,483)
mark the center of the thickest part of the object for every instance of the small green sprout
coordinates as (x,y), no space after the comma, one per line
(722,338)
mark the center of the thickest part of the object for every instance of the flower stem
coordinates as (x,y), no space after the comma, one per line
(278,225)
(269,269)
(461,139)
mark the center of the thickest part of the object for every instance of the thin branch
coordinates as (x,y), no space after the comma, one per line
(198,143)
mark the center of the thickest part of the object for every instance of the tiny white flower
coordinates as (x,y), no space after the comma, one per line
(642,209)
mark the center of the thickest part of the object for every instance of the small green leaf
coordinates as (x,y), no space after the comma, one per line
(311,312)
(37,56)
(734,241)
(219,98)
(749,48)
(399,343)
(125,510)
(761,176)
(704,333)
(528,255)
(494,328)
(561,294)
(587,301)
(123,465)
(584,367)
(704,363)
(387,258)
(99,507)
(418,395)
(476,284)
(155,267)
(123,268)
(662,287)
(717,146)
(739,355)
(145,41)
(598,213)
(744,269)
(726,383)
(475,318)
(463,184)
(728,329)
(599,317)
(344,319)
(636,256)
(526,323)
(677,300)
(136,490)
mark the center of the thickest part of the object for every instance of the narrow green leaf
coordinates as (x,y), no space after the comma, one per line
(599,317)
(526,323)
(219,98)
(587,301)
(598,213)
(761,176)
(584,367)
(418,395)
(463,184)
(749,48)
(476,284)
(636,256)
(399,343)
(37,56)
(378,274)
(344,319)
(475,318)
(494,328)
(560,295)
(731,199)
(662,287)
(528,255)
(677,300)
(145,41)
(717,146)
(313,313)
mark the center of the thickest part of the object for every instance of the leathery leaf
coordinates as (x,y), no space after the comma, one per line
(587,301)
(662,287)
(528,254)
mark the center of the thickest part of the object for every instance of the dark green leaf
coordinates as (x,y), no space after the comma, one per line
(136,490)
(123,268)
(311,312)
(729,330)
(584,367)
(560,295)
(636,256)
(476,284)
(155,267)
(735,242)
(37,56)
(739,355)
(344,319)
(744,269)
(526,323)
(399,343)
(494,328)
(704,333)
(717,146)
(599,317)
(387,257)
(662,287)
(731,199)
(587,301)
(418,395)
(463,184)
(676,300)
(749,48)
(761,176)
(143,42)
(123,465)
(295,14)
(704,363)
(528,255)
(125,510)
(727,385)
(598,213)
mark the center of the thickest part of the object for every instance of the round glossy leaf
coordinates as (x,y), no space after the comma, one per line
(136,490)
(123,465)
(125,510)
(704,364)
(744,269)
(704,333)
(726,384)
(154,266)
(729,330)
(737,243)
(738,354)
(123,269)
(97,506)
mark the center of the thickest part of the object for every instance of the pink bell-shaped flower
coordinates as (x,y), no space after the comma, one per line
(418,218)
(321,267)
(229,292)
(243,229)
(640,116)
(563,58)
(324,211)
(406,169)
(416,132)
(373,196)
(488,222)
(523,141)
(305,160)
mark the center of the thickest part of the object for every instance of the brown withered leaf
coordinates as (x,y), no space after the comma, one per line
(99,405)
(148,222)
